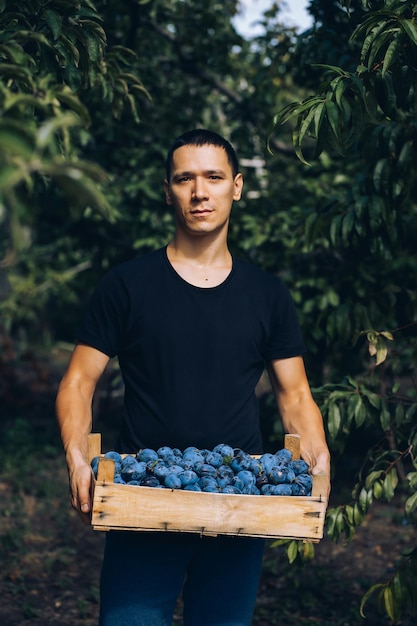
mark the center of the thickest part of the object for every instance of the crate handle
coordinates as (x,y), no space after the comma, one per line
(293,444)
(94,445)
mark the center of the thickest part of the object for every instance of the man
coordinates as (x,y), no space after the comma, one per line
(193,329)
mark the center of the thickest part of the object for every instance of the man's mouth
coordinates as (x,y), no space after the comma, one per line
(201,211)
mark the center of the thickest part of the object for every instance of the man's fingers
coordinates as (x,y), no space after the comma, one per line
(322,464)
(84,492)
(81,490)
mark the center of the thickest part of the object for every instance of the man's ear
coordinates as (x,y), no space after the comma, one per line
(238,184)
(168,198)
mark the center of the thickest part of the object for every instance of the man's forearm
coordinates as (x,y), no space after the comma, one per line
(73,410)
(304,418)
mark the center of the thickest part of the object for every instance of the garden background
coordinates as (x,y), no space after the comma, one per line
(325,123)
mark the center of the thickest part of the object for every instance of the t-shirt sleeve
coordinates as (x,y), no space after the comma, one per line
(285,339)
(103,324)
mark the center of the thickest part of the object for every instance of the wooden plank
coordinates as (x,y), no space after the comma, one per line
(146,508)
(94,445)
(293,444)
(105,471)
(321,485)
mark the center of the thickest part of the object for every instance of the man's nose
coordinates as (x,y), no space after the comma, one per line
(199,188)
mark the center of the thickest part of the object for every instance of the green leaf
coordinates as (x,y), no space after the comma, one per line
(409,26)
(349,514)
(54,21)
(374,399)
(390,483)
(10,176)
(371,591)
(385,417)
(406,154)
(335,228)
(332,114)
(81,192)
(358,514)
(410,412)
(391,605)
(94,47)
(412,479)
(375,56)
(307,550)
(307,122)
(318,117)
(380,174)
(47,131)
(365,499)
(399,414)
(390,55)
(381,351)
(334,421)
(15,140)
(411,504)
(347,226)
(16,73)
(23,100)
(73,102)
(372,478)
(378,489)
(292,551)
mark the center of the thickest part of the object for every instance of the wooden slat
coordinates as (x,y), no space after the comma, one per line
(293,444)
(94,445)
(321,486)
(105,471)
(146,508)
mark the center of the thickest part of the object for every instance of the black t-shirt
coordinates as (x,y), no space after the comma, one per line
(190,357)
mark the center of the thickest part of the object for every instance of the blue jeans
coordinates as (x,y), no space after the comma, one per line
(144,573)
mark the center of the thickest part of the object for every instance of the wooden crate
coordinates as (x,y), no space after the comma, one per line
(130,507)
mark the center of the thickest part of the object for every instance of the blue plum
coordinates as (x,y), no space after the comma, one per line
(172,481)
(225,451)
(302,485)
(150,481)
(224,476)
(147,455)
(283,456)
(193,487)
(214,459)
(299,466)
(188,477)
(114,456)
(276,490)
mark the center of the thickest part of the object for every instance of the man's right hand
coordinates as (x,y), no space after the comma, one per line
(81,491)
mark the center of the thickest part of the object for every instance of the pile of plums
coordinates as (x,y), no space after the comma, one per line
(221,470)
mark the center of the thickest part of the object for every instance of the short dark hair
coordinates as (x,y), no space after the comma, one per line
(202,137)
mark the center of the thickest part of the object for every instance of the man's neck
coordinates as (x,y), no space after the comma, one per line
(200,263)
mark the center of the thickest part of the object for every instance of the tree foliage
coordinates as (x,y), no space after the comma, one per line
(51,55)
(362,124)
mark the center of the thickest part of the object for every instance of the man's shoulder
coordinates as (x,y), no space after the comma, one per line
(253,272)
(144,263)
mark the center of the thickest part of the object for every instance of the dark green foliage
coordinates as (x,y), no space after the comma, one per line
(361,126)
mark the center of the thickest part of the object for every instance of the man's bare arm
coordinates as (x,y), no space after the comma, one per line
(299,412)
(74,415)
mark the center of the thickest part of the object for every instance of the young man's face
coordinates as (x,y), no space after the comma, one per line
(202,189)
